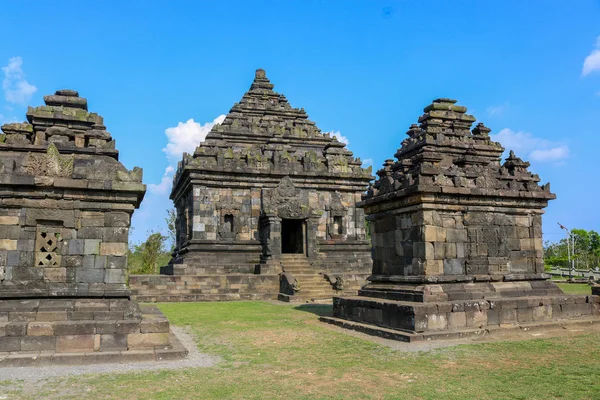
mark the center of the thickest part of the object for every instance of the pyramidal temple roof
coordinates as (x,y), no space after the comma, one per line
(442,154)
(264,113)
(263,134)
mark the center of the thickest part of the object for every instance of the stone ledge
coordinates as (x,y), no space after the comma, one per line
(175,351)
(456,334)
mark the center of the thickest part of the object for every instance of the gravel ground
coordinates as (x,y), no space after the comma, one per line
(28,376)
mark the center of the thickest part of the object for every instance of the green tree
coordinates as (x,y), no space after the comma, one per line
(148,256)
(171,226)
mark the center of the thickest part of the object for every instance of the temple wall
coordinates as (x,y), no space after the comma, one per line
(213,210)
(211,205)
(211,287)
(63,252)
(451,242)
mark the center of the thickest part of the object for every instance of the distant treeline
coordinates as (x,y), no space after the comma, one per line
(586,252)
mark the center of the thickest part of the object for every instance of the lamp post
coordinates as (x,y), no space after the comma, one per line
(569,238)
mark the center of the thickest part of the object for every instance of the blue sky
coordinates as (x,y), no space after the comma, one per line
(162,72)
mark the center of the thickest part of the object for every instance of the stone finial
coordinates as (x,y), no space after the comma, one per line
(66,98)
(481,130)
(444,100)
(413,131)
(261,82)
(260,74)
(445,104)
(514,163)
(67,92)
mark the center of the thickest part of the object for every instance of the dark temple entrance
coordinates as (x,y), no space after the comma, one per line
(292,236)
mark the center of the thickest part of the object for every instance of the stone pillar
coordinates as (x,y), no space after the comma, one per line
(312,244)
(272,236)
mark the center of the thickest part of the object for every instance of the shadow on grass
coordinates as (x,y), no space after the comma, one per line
(322,310)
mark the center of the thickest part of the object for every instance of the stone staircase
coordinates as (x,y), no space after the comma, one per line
(314,286)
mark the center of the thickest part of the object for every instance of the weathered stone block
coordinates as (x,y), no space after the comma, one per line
(108,315)
(74,343)
(73,261)
(91,305)
(113,342)
(456,235)
(22,316)
(40,329)
(457,320)
(10,343)
(51,316)
(115,276)
(105,327)
(91,246)
(55,274)
(437,322)
(9,220)
(116,234)
(146,340)
(116,262)
(100,262)
(89,275)
(8,244)
(154,325)
(113,249)
(16,328)
(38,343)
(454,266)
(116,218)
(76,247)
(524,315)
(508,316)
(476,319)
(64,328)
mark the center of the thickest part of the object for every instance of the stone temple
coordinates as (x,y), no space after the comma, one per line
(266,207)
(457,239)
(65,210)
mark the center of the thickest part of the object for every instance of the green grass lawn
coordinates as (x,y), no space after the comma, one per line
(575,288)
(274,351)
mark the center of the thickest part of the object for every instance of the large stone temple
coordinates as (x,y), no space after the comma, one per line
(457,240)
(266,208)
(65,210)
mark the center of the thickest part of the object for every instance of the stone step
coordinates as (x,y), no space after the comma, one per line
(457,334)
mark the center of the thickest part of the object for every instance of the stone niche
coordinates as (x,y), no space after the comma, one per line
(266,206)
(457,239)
(65,211)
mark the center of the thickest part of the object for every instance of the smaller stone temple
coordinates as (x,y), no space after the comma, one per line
(457,239)
(266,209)
(65,211)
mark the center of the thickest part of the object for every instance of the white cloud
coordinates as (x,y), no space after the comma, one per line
(341,138)
(165,183)
(497,110)
(548,155)
(530,147)
(367,162)
(186,136)
(592,61)
(182,138)
(16,89)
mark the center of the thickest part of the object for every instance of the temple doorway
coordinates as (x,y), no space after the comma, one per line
(292,236)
